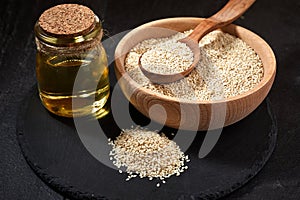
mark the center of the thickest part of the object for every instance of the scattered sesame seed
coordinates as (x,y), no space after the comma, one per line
(145,153)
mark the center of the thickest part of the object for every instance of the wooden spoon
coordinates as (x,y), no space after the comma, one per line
(229,13)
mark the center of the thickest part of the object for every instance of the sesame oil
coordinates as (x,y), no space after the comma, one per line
(56,76)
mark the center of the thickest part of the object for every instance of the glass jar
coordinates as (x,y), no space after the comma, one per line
(72,70)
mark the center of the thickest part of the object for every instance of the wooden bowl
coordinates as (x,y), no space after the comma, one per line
(193,115)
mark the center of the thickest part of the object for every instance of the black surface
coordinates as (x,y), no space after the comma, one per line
(55,152)
(276,21)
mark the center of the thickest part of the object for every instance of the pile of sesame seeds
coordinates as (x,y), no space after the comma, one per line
(167,58)
(228,67)
(147,154)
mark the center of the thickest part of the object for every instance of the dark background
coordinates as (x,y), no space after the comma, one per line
(278,22)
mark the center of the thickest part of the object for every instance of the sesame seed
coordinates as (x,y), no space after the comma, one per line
(171,56)
(228,67)
(146,153)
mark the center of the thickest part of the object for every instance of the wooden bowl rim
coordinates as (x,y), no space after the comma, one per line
(271,63)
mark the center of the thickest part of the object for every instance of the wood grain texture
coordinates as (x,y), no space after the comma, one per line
(230,12)
(241,152)
(280,177)
(196,115)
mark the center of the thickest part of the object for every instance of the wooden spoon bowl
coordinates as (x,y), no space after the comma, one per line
(193,115)
(168,78)
(230,12)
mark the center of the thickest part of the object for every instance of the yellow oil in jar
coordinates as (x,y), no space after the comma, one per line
(56,76)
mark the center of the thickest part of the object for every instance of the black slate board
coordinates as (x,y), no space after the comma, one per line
(55,152)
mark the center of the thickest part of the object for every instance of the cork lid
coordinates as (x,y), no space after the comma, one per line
(67,20)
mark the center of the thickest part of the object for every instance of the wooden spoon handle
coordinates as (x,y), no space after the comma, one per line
(230,12)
